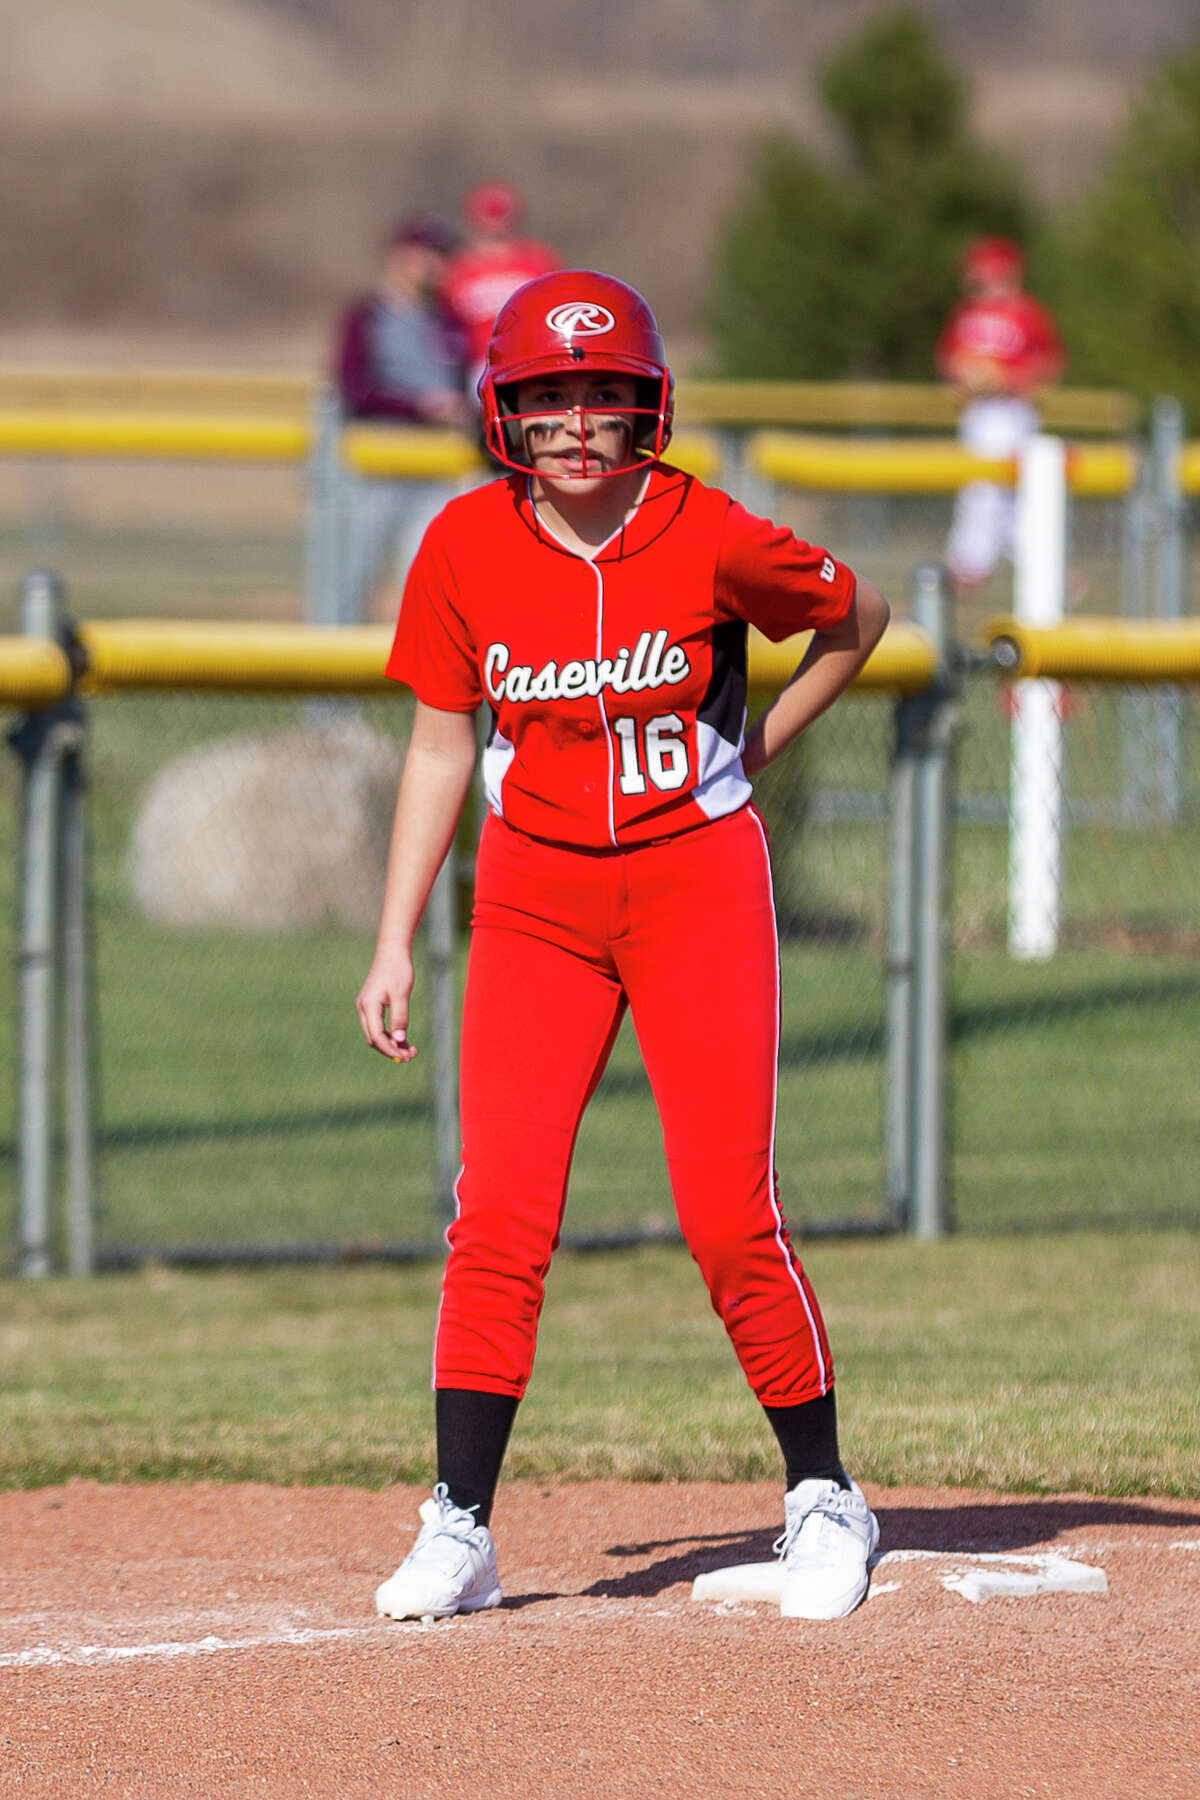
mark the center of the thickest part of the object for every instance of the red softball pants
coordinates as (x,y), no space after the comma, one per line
(683,932)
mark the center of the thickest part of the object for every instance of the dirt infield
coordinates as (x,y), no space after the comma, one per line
(221,1640)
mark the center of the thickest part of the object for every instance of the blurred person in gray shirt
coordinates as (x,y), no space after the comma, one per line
(399,360)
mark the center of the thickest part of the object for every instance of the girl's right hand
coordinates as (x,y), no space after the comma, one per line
(382,1006)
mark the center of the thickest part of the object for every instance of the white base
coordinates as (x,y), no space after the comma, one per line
(990,1575)
(741,1581)
(1048,1575)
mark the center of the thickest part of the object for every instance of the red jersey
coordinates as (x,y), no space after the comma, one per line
(477,282)
(617,682)
(1012,331)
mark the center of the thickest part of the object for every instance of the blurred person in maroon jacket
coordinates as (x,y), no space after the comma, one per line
(493,263)
(398,360)
(998,347)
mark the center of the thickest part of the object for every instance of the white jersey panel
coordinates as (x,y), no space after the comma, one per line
(721,785)
(495,763)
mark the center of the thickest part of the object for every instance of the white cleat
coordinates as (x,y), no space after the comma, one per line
(829,1537)
(450,1569)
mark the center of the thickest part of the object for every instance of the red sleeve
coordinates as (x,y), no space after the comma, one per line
(432,651)
(1047,343)
(776,581)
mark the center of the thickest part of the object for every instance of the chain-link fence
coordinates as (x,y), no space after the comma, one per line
(237,852)
(237,855)
(237,860)
(1075,1097)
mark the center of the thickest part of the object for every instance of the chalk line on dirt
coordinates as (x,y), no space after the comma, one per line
(42,1656)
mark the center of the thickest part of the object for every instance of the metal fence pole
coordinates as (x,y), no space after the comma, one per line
(441,923)
(323,521)
(78,1042)
(899,1058)
(738,474)
(1169,511)
(36,741)
(1137,559)
(929,1214)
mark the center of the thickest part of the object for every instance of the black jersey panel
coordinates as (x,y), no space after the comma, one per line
(724,704)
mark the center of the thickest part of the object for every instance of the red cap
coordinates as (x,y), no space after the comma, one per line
(494,206)
(992,257)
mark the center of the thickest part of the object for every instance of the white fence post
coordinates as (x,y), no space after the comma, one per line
(1036,775)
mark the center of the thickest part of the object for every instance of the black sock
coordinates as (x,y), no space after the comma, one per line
(472,1436)
(808,1437)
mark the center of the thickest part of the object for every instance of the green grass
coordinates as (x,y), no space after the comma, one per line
(1039,1366)
(237,1103)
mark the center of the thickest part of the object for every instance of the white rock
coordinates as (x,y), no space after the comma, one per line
(275,831)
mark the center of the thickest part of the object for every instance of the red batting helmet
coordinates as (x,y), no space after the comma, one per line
(993,258)
(576,321)
(494,206)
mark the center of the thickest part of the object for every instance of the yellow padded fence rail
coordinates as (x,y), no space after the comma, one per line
(165,389)
(1096,649)
(911,405)
(412,453)
(160,654)
(276,658)
(903,662)
(240,656)
(905,405)
(33,673)
(936,466)
(415,453)
(154,437)
(420,453)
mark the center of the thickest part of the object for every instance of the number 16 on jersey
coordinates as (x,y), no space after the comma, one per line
(661,754)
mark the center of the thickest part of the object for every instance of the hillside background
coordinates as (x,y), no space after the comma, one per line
(205,178)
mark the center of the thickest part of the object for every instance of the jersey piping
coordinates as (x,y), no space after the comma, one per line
(582,556)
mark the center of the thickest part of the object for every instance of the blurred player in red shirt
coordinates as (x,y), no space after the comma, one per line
(492,264)
(999,346)
(595,602)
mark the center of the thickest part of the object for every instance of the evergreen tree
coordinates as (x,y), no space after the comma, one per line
(826,272)
(1127,282)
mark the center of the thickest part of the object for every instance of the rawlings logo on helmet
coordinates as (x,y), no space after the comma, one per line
(580,318)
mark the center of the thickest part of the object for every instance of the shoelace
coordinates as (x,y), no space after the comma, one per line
(448,1524)
(833,1509)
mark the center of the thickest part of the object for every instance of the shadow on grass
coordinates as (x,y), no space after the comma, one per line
(798,1049)
(983,1017)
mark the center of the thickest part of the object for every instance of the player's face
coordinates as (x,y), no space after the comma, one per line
(992,283)
(581,429)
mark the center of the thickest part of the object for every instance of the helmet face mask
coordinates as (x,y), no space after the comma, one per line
(577,324)
(643,423)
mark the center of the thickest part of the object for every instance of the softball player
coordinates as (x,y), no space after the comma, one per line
(998,347)
(597,601)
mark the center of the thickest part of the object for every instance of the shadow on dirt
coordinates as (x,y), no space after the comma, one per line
(978,1527)
(1021,1524)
